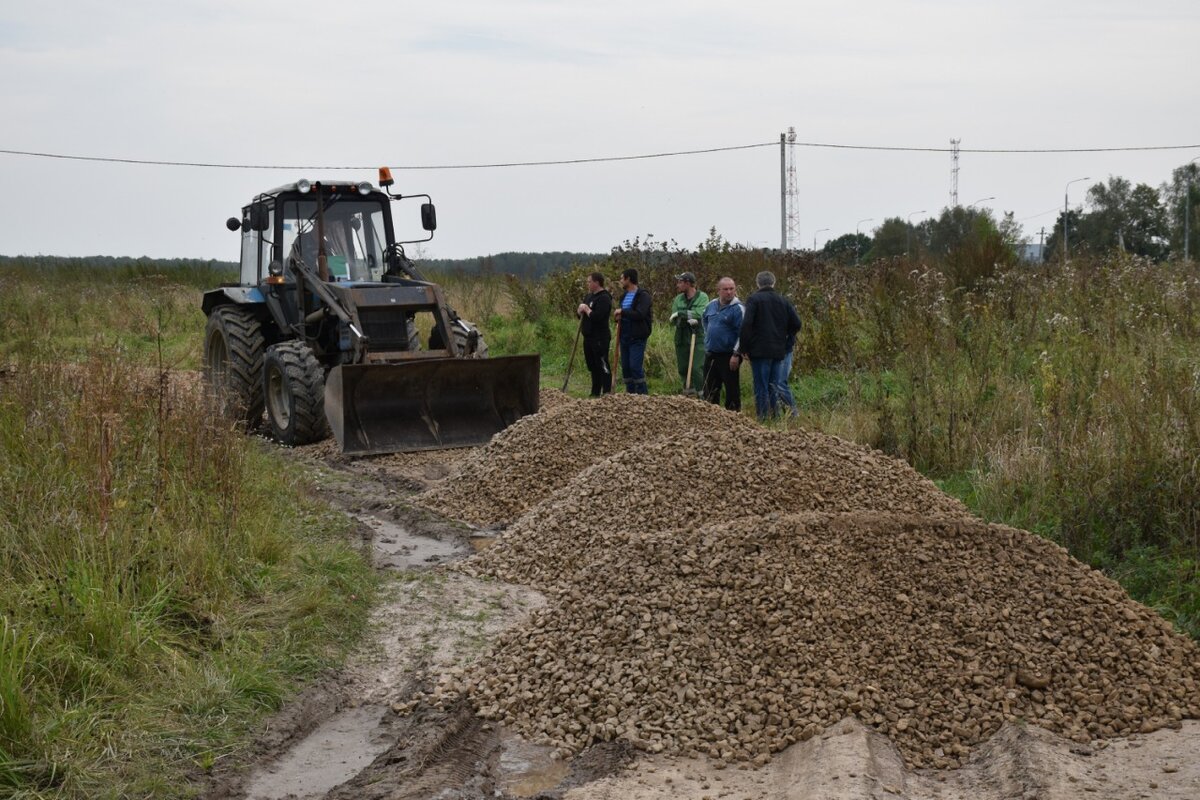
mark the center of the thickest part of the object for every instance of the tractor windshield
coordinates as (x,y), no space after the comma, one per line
(355,237)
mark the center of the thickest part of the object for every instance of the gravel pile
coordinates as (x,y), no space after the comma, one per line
(723,589)
(536,455)
(700,477)
(740,638)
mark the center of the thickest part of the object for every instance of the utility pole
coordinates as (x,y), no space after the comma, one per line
(954,172)
(1187,209)
(1066,215)
(857,234)
(815,238)
(908,231)
(782,194)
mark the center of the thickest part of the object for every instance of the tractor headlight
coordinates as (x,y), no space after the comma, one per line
(364,188)
(303,185)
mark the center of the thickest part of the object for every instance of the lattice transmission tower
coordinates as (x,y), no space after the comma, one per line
(791,197)
(954,172)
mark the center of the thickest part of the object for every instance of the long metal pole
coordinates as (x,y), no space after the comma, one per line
(1187,210)
(1066,211)
(857,234)
(782,194)
(822,230)
(908,230)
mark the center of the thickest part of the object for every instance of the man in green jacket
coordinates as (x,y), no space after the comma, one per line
(687,316)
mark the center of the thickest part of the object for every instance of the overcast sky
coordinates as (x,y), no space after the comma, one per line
(459,83)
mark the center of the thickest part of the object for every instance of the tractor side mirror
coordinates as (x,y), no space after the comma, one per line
(428,217)
(233,223)
(260,218)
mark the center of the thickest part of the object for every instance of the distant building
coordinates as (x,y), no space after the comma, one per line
(1032,253)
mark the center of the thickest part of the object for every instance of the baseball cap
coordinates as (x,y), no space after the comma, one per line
(686,276)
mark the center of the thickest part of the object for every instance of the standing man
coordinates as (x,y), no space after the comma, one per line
(769,322)
(687,313)
(593,313)
(634,321)
(722,325)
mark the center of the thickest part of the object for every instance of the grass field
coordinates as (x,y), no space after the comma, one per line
(165,580)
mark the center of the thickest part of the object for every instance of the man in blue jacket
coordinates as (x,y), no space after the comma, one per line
(769,322)
(722,325)
(634,320)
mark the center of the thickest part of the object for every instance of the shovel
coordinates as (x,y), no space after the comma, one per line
(687,384)
(571,362)
(616,357)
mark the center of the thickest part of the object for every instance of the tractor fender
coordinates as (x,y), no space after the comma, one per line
(236,295)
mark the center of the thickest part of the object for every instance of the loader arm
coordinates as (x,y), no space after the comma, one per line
(307,278)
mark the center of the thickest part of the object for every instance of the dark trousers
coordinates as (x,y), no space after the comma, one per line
(633,370)
(595,355)
(717,374)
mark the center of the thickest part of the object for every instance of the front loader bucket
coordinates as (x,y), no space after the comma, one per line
(428,404)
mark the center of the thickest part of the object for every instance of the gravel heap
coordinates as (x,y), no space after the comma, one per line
(740,638)
(702,477)
(723,589)
(542,452)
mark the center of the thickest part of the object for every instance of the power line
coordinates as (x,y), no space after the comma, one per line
(601,159)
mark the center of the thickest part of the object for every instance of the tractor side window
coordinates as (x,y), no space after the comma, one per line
(250,257)
(266,247)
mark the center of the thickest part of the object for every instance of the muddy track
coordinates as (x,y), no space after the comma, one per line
(342,737)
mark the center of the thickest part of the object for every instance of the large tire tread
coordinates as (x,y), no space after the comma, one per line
(301,389)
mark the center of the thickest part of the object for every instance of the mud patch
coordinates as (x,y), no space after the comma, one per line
(335,752)
(396,547)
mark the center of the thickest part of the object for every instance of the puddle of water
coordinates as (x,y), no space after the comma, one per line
(397,548)
(526,768)
(335,752)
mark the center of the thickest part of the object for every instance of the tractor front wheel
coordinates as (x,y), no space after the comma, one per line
(294,389)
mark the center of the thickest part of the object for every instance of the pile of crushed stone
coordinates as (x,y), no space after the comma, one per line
(690,479)
(730,590)
(738,639)
(537,454)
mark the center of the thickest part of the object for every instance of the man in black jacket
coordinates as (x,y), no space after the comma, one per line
(634,320)
(594,312)
(769,323)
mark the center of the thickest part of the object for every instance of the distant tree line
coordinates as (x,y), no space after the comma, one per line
(1116,216)
(110,262)
(522,265)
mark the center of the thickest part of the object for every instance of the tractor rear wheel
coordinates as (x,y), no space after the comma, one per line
(233,360)
(294,387)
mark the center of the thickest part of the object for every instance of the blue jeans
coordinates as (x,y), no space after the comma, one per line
(633,354)
(771,392)
(785,391)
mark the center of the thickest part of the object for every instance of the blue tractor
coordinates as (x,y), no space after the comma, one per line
(332,329)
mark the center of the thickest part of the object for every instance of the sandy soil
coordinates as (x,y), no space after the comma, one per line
(367,732)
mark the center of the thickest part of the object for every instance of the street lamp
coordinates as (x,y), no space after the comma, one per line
(857,234)
(1066,211)
(908,231)
(985,199)
(1187,209)
(815,238)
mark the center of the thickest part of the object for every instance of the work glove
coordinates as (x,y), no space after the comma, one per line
(674,316)
(695,323)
